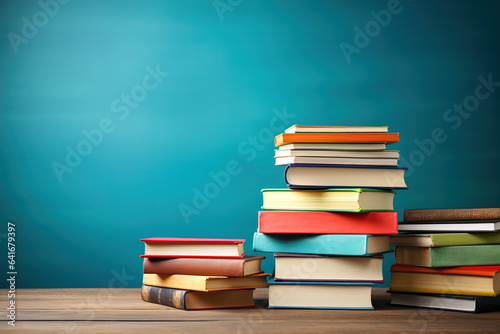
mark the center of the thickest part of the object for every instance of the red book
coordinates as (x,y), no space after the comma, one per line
(489,271)
(193,247)
(320,222)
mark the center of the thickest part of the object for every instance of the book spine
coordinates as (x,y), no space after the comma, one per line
(451,214)
(164,296)
(329,244)
(474,255)
(320,222)
(194,266)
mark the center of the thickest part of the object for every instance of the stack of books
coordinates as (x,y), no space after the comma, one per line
(196,274)
(330,227)
(448,259)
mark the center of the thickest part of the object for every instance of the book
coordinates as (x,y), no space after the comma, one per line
(205,283)
(327,244)
(248,265)
(472,304)
(309,267)
(193,247)
(451,226)
(196,300)
(323,222)
(449,256)
(432,215)
(463,280)
(334,146)
(386,154)
(348,176)
(335,128)
(445,239)
(348,199)
(335,161)
(321,137)
(320,295)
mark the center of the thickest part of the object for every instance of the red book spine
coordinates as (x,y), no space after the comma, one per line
(319,222)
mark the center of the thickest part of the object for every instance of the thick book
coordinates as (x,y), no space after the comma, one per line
(345,199)
(326,244)
(320,295)
(310,268)
(205,283)
(463,280)
(323,222)
(471,304)
(344,176)
(451,226)
(196,300)
(430,215)
(335,128)
(248,265)
(193,247)
(321,137)
(279,161)
(445,239)
(448,256)
(335,146)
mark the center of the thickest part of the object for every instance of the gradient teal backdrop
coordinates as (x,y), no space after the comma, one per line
(162,97)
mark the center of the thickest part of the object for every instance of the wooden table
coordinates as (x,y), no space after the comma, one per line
(123,311)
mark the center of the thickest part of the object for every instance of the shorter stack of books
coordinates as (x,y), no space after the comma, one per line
(453,263)
(196,274)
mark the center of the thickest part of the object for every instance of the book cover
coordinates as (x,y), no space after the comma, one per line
(245,266)
(449,256)
(445,239)
(320,295)
(362,137)
(422,215)
(323,222)
(319,176)
(327,244)
(193,247)
(194,300)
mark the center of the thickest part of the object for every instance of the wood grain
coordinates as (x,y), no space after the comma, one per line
(123,311)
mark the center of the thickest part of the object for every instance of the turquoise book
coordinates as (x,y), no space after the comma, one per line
(320,295)
(326,244)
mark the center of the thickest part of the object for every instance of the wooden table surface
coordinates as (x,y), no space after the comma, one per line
(123,311)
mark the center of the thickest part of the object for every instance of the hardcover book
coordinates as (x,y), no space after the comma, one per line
(445,239)
(349,200)
(335,128)
(335,161)
(431,215)
(322,222)
(451,226)
(472,304)
(193,247)
(327,244)
(248,265)
(449,256)
(205,283)
(320,295)
(345,176)
(334,146)
(321,137)
(464,280)
(308,267)
(195,300)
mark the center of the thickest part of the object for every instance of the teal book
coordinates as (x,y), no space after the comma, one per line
(449,256)
(320,295)
(327,244)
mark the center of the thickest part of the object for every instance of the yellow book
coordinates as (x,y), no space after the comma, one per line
(206,283)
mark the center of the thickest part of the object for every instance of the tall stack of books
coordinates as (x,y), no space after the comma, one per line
(448,259)
(196,274)
(330,227)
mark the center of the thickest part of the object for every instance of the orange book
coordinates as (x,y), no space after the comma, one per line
(343,137)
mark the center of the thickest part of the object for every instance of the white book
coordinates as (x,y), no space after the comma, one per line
(334,146)
(338,154)
(336,161)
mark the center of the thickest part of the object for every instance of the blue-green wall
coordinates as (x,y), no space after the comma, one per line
(227,80)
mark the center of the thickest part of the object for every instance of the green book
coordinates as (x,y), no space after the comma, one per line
(449,256)
(445,239)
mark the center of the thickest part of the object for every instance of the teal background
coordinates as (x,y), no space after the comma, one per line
(229,76)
